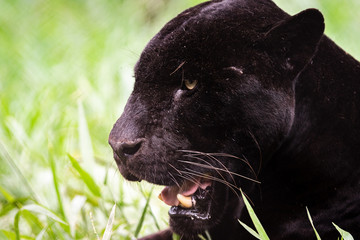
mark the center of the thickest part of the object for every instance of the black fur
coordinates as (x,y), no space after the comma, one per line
(272,90)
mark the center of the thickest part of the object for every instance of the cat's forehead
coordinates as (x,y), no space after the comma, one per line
(206,34)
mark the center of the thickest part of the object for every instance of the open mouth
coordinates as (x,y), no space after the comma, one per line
(192,199)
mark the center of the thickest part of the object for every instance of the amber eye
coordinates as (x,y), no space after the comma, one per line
(190,84)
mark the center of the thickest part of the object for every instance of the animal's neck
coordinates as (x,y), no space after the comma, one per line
(328,104)
(326,129)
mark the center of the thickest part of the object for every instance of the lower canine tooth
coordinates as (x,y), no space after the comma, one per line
(185,202)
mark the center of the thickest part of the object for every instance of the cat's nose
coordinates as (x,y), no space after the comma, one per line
(127,148)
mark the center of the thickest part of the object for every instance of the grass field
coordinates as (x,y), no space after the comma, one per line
(65,75)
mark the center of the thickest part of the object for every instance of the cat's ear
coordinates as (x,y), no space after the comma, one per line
(294,41)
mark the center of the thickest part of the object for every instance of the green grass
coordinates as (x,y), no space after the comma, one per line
(260,233)
(65,75)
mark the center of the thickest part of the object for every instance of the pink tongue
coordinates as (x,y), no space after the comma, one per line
(168,194)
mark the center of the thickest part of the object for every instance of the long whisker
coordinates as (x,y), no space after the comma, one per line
(181,64)
(225,168)
(189,177)
(229,185)
(177,170)
(174,179)
(213,158)
(210,166)
(244,160)
(216,154)
(258,147)
(197,174)
(181,175)
(219,169)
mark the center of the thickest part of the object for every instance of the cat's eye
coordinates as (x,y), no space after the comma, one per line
(190,84)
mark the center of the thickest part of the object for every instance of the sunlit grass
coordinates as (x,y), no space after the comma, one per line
(66,71)
(65,75)
(259,232)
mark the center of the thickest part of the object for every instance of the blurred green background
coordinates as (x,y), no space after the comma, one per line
(65,74)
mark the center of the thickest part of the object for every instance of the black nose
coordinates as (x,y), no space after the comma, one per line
(125,149)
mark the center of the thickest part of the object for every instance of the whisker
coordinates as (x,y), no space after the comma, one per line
(219,169)
(181,175)
(181,64)
(177,170)
(202,175)
(232,187)
(217,160)
(226,183)
(191,175)
(244,160)
(258,147)
(174,180)
(210,166)
(225,168)
(189,178)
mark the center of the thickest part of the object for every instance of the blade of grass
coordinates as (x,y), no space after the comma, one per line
(87,179)
(175,236)
(259,228)
(85,222)
(66,227)
(40,236)
(152,213)
(250,230)
(17,203)
(344,234)
(35,208)
(201,237)
(55,181)
(32,220)
(16,225)
(7,235)
(154,218)
(108,230)
(121,202)
(312,224)
(93,226)
(207,235)
(141,221)
(8,196)
(17,170)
